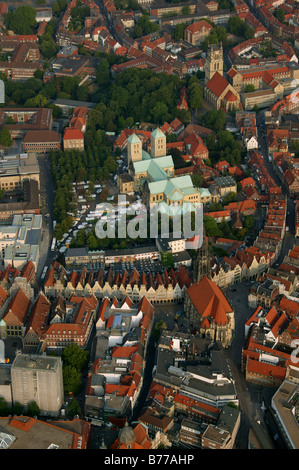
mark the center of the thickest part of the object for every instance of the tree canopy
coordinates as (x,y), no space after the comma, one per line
(75,356)
(22,20)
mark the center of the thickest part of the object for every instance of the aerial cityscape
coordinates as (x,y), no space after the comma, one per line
(149,226)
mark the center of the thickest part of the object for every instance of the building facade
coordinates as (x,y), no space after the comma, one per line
(38,378)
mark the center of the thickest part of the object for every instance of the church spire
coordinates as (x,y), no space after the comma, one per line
(202,265)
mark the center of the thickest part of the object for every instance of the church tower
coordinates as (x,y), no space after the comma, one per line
(214,61)
(134,149)
(202,266)
(158,143)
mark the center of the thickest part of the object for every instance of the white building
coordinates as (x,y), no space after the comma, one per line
(19,242)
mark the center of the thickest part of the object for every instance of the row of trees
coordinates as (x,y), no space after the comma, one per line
(75,360)
(47,45)
(18,409)
(96,164)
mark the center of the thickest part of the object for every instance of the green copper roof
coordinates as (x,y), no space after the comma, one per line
(133,139)
(157,134)
(204,192)
(156,168)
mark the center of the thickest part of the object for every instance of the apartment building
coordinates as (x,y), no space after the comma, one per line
(38,378)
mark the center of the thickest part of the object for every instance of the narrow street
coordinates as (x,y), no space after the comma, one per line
(46,199)
(250,397)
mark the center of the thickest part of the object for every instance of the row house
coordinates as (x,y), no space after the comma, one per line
(38,318)
(264,181)
(228,272)
(234,269)
(160,288)
(193,66)
(249,262)
(286,31)
(291,182)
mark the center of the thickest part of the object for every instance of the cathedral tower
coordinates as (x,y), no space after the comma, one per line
(158,143)
(202,266)
(134,148)
(214,61)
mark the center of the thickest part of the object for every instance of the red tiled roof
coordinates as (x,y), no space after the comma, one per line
(198,25)
(209,301)
(262,368)
(71,133)
(19,305)
(217,84)
(230,96)
(124,351)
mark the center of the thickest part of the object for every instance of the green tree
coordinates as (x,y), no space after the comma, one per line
(38,74)
(178,31)
(230,197)
(38,101)
(4,408)
(33,409)
(75,356)
(72,382)
(280,14)
(249,88)
(103,73)
(195,95)
(73,408)
(48,48)
(5,137)
(197,180)
(211,227)
(17,408)
(22,20)
(159,326)
(144,26)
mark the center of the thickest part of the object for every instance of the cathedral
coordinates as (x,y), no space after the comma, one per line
(206,306)
(218,91)
(153,174)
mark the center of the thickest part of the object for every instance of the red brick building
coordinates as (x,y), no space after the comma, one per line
(41,141)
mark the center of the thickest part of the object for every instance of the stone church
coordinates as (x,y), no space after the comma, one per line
(206,306)
(218,91)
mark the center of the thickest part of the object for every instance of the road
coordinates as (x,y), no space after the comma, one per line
(250,396)
(47,199)
(165,312)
